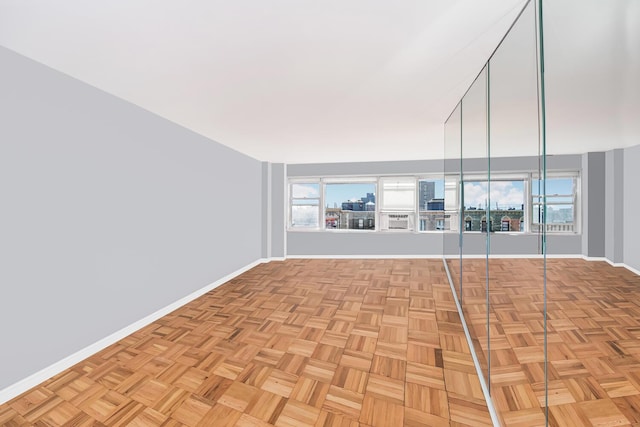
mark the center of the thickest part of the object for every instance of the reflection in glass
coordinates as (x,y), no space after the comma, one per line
(475,180)
(560,205)
(398,194)
(501,117)
(451,205)
(506,213)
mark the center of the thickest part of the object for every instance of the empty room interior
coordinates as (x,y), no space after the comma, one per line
(342,213)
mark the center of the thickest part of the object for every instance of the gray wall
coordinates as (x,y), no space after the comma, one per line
(593,204)
(265,250)
(631,206)
(301,243)
(614,206)
(108,214)
(278,212)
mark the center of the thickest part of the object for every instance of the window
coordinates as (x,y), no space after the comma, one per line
(451,204)
(397,203)
(350,205)
(506,205)
(561,204)
(431,205)
(305,205)
(437,203)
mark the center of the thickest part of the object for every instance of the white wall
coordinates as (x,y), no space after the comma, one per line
(108,213)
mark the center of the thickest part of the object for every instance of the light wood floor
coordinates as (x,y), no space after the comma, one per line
(314,343)
(593,339)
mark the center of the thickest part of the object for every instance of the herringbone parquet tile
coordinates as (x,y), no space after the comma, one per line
(293,343)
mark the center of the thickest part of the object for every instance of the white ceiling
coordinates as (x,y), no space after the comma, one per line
(301,81)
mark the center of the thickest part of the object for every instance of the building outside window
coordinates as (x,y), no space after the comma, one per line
(350,206)
(506,204)
(410,203)
(431,205)
(561,204)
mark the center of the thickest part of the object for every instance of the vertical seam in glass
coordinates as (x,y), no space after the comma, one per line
(461,216)
(488,240)
(542,142)
(474,353)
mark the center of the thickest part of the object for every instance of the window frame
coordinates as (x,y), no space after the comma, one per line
(452,187)
(576,196)
(290,198)
(433,177)
(410,213)
(525,177)
(348,180)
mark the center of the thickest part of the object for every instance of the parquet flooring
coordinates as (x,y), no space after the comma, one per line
(295,343)
(593,339)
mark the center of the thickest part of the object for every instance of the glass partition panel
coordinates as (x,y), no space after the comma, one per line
(516,321)
(475,190)
(500,206)
(452,239)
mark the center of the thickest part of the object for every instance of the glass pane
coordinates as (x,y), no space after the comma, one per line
(559,186)
(305,191)
(559,200)
(560,218)
(398,194)
(427,193)
(451,242)
(431,205)
(351,196)
(451,205)
(305,216)
(559,214)
(434,221)
(475,165)
(516,298)
(396,221)
(312,202)
(350,206)
(337,219)
(507,206)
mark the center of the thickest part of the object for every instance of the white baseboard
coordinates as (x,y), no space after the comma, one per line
(631,269)
(42,375)
(613,264)
(364,256)
(623,265)
(492,256)
(596,258)
(551,256)
(516,256)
